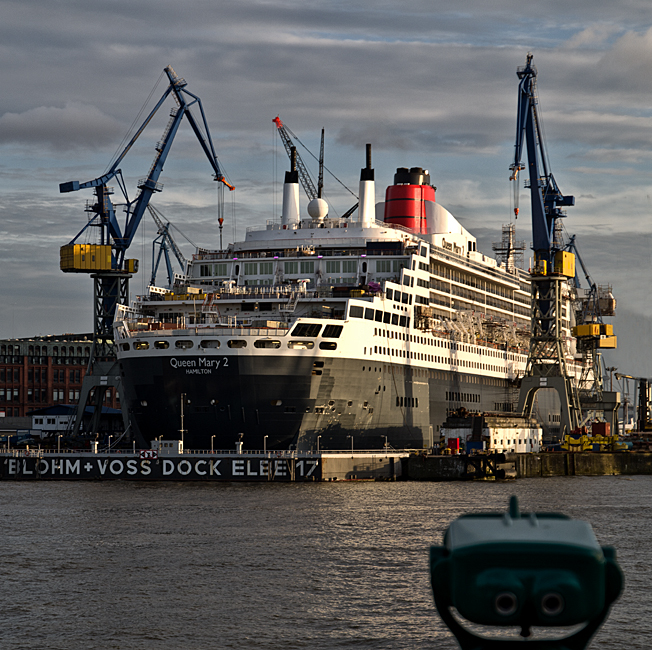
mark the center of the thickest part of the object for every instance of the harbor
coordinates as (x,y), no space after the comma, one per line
(384,326)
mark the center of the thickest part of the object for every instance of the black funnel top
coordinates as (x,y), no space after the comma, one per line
(412,176)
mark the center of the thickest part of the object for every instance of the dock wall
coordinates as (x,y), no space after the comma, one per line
(149,466)
(581,464)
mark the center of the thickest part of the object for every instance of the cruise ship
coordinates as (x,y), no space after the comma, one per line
(317,332)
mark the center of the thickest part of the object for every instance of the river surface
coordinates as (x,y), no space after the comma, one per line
(119,565)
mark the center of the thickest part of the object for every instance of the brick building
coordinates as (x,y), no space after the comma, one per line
(43,371)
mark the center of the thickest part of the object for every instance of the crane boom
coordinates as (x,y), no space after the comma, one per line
(105,217)
(304,177)
(546,198)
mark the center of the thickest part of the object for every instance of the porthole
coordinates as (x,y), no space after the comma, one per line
(211,343)
(183,344)
(141,345)
(161,345)
(237,344)
(125,346)
(328,345)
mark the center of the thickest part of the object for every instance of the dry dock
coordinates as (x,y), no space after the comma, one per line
(284,466)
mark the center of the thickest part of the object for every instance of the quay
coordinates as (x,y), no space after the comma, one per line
(422,467)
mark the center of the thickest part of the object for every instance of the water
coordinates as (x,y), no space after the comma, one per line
(168,566)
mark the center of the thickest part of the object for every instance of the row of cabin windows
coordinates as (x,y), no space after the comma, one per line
(408,402)
(291,268)
(452,396)
(304,330)
(236,344)
(390,266)
(397,296)
(379,316)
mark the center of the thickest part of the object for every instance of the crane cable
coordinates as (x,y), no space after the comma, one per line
(317,159)
(136,121)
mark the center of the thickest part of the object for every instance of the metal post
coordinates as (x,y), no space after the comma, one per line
(265,444)
(351,436)
(58,444)
(182,430)
(212,438)
(318,437)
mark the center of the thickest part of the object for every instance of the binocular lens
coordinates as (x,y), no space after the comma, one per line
(506,603)
(552,604)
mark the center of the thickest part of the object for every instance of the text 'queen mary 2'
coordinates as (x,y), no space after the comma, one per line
(316,329)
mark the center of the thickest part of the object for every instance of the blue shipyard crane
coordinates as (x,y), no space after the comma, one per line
(547,365)
(105,260)
(165,243)
(546,197)
(104,211)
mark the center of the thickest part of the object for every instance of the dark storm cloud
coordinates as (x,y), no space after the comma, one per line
(71,126)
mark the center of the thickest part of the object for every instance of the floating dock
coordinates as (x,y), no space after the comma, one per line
(281,466)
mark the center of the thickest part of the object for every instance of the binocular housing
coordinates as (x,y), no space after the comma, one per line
(536,569)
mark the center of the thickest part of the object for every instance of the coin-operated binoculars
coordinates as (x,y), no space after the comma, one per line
(523,569)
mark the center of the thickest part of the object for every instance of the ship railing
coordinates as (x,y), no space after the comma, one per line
(122,453)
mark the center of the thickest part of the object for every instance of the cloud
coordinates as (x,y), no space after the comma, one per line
(74,126)
(593,36)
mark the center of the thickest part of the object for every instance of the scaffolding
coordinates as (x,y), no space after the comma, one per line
(509,252)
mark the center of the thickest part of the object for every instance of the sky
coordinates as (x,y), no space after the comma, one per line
(428,83)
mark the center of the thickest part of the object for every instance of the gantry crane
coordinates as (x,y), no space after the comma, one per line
(106,260)
(546,367)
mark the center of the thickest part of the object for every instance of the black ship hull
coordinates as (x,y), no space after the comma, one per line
(303,403)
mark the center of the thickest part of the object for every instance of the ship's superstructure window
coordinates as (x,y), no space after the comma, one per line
(355,311)
(211,343)
(183,344)
(383,266)
(237,344)
(141,345)
(306,329)
(332,266)
(125,346)
(301,345)
(267,344)
(251,268)
(291,268)
(266,268)
(328,345)
(307,267)
(161,345)
(369,314)
(332,331)
(390,294)
(349,266)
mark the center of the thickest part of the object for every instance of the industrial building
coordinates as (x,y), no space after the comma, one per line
(42,371)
